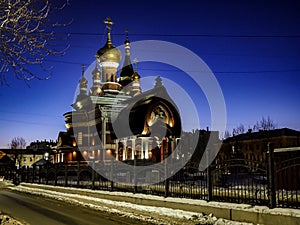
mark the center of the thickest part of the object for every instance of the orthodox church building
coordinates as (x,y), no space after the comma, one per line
(114,118)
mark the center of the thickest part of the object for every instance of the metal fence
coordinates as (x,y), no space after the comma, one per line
(231,180)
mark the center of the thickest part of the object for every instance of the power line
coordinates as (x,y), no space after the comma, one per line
(174,70)
(65,62)
(202,53)
(191,35)
(27,113)
(30,123)
(227,72)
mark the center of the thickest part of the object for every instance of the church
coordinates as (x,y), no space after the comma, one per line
(114,119)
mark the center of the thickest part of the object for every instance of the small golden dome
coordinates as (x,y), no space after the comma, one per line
(96,73)
(109,53)
(136,76)
(83,83)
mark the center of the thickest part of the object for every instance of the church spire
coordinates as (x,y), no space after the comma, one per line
(127,40)
(81,99)
(96,88)
(135,85)
(83,83)
(127,69)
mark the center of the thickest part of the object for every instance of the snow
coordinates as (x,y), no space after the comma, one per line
(7,220)
(245,207)
(153,214)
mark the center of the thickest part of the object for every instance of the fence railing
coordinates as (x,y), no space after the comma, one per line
(231,180)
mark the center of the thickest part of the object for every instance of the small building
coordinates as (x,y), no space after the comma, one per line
(27,157)
(34,152)
(252,146)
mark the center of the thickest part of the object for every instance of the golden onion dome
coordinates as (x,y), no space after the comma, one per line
(109,53)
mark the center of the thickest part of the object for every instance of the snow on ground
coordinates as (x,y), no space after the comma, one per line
(151,214)
(7,220)
(226,205)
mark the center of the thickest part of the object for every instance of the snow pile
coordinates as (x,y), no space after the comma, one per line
(156,215)
(7,220)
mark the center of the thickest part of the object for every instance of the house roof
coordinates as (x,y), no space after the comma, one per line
(264,134)
(4,159)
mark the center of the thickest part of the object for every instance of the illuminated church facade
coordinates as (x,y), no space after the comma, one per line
(115,119)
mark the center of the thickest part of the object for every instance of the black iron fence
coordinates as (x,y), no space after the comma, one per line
(270,183)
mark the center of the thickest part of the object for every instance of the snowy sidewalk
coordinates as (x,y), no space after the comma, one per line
(160,210)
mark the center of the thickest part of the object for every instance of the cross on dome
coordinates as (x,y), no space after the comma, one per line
(108,23)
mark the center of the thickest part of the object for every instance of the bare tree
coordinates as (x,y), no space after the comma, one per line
(227,134)
(240,129)
(265,124)
(17,143)
(27,36)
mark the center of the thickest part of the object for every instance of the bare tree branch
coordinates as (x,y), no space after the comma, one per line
(17,143)
(238,130)
(27,36)
(265,124)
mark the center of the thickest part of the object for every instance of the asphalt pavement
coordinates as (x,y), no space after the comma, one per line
(37,210)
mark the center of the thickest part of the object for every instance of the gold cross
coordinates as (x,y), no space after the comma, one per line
(108,23)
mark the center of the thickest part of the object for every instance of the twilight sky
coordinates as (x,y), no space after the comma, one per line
(252,47)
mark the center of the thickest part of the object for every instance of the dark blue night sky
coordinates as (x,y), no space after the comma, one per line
(252,47)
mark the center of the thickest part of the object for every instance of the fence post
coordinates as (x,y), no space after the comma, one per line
(209,184)
(93,175)
(66,175)
(26,174)
(271,173)
(167,183)
(208,177)
(78,173)
(112,175)
(33,174)
(47,170)
(40,174)
(55,174)
(134,175)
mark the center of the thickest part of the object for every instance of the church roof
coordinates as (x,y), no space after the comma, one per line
(139,109)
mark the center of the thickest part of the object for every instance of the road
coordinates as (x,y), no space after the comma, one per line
(37,210)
